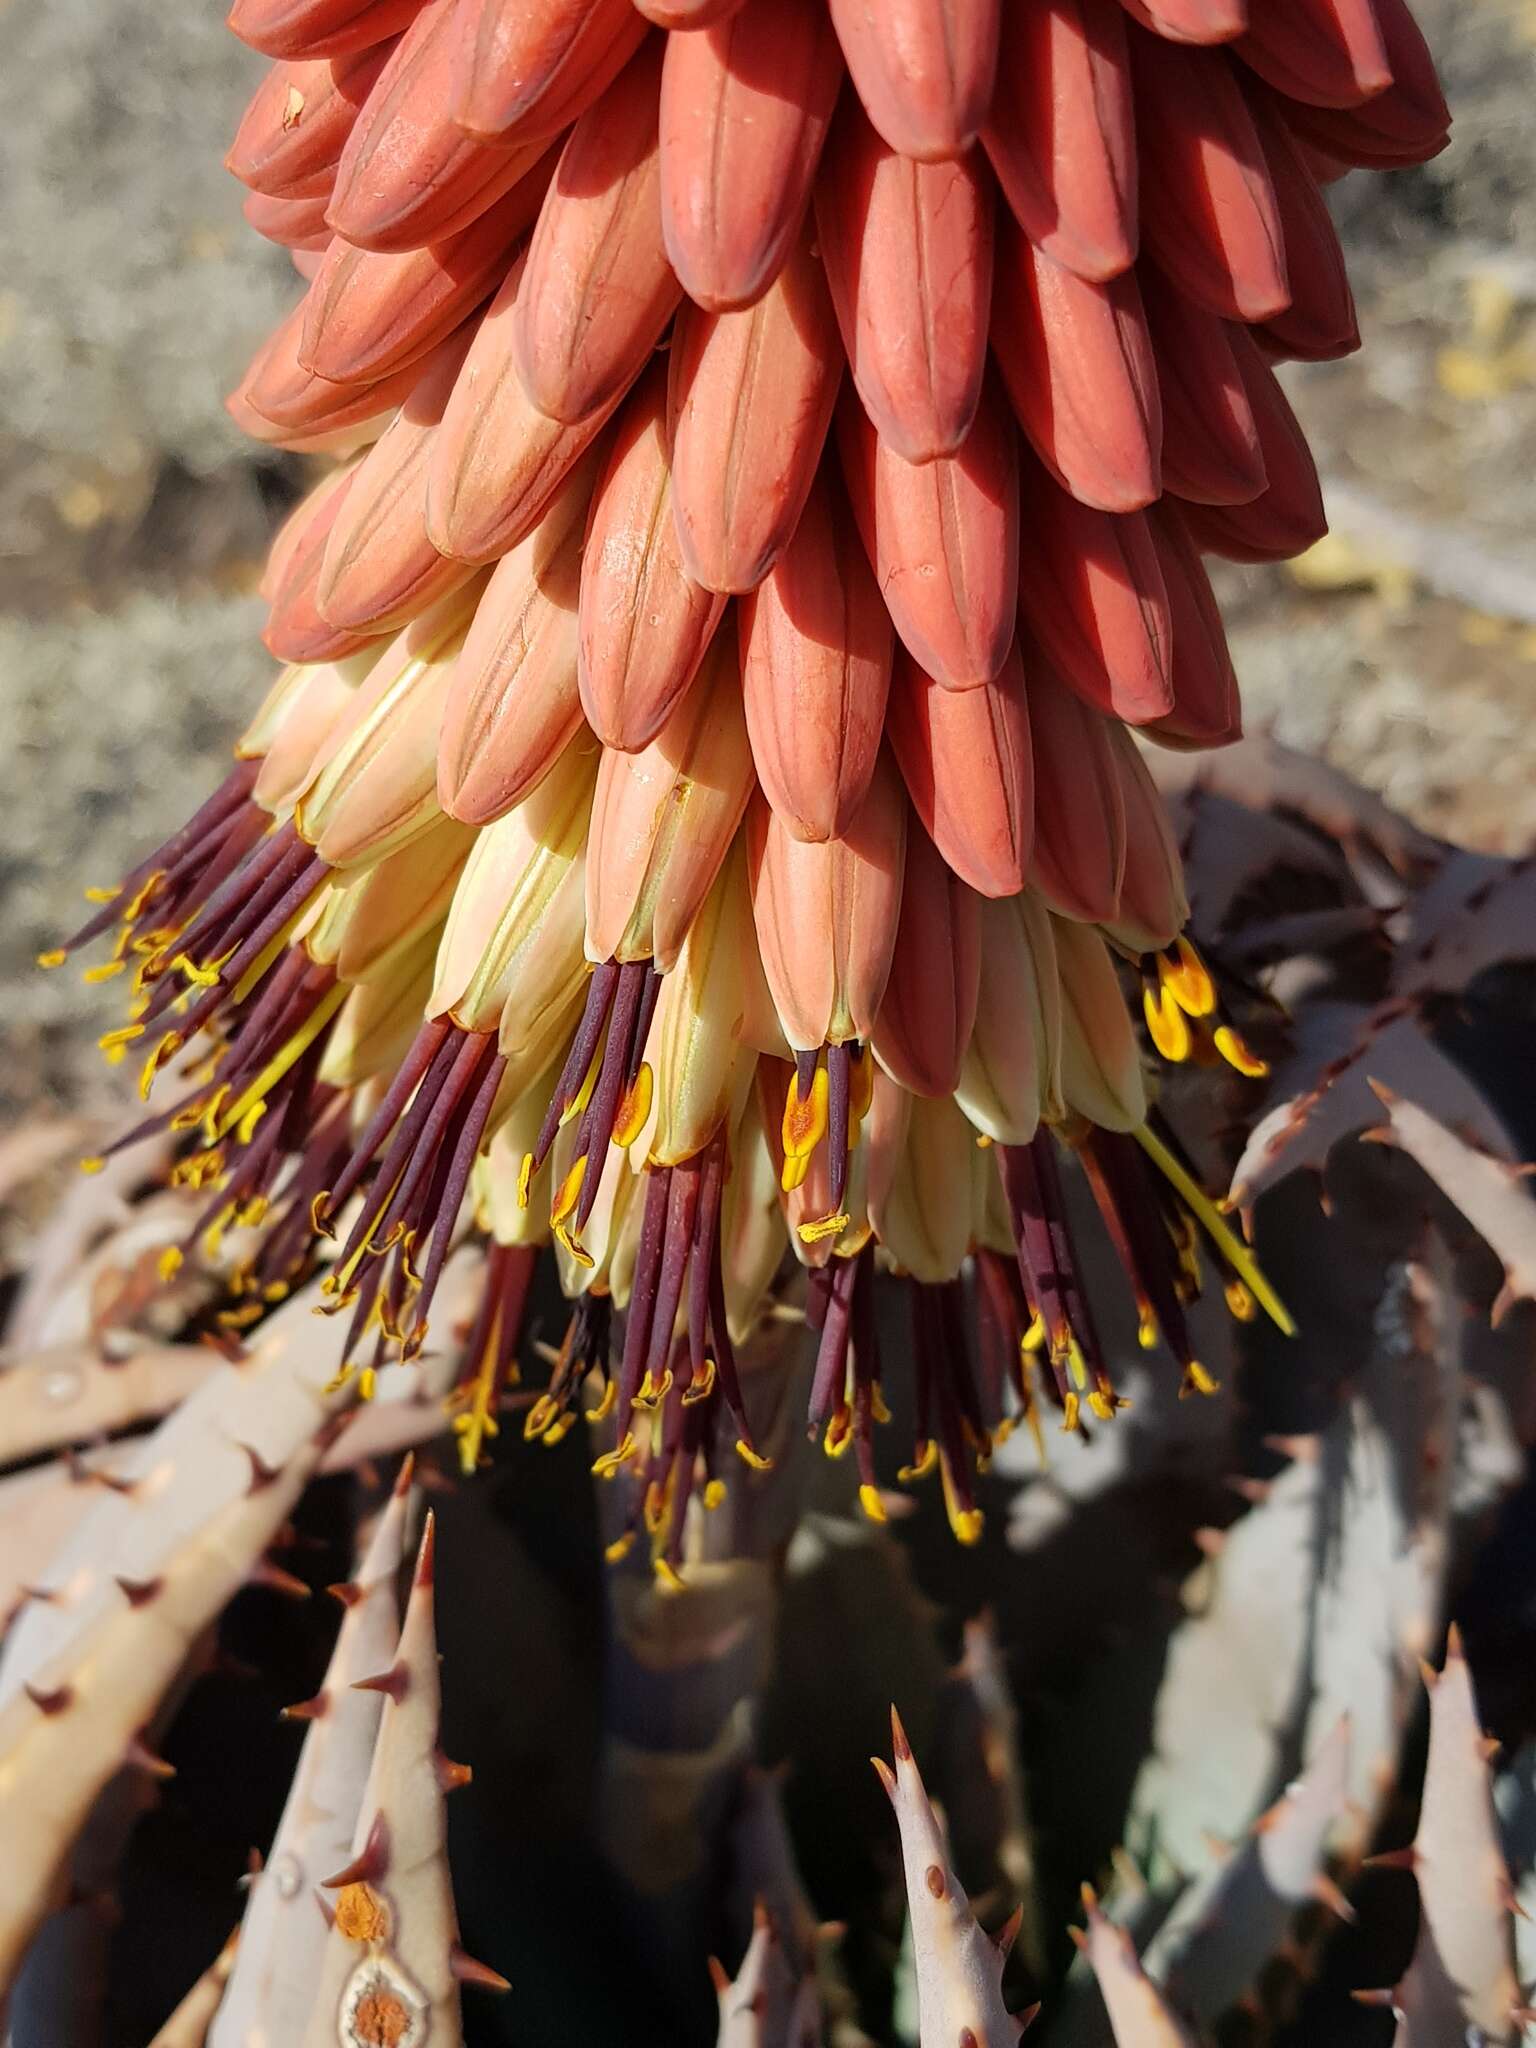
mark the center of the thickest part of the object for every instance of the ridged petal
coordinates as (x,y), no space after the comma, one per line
(686,13)
(663,819)
(745,105)
(1206,711)
(816,645)
(1077,362)
(598,288)
(1193,21)
(293,399)
(297,224)
(943,539)
(380,568)
(1101,1072)
(1079,855)
(1330,53)
(1153,905)
(497,460)
(1011,1072)
(296,628)
(1319,324)
(367,314)
(1208,209)
(521,73)
(318,28)
(644,621)
(1287,517)
(929,1005)
(1211,449)
(291,136)
(514,705)
(1063,137)
(827,912)
(407,175)
(924,69)
(966,758)
(750,397)
(375,787)
(1091,591)
(908,250)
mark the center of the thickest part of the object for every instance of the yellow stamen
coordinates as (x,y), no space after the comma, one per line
(1237,1054)
(1167,1025)
(1240,1303)
(1189,980)
(1231,1247)
(872,1504)
(169,1263)
(608,1465)
(714,1493)
(755,1459)
(620,1547)
(634,1109)
(524,1180)
(105,972)
(568,1192)
(827,1226)
(805,1122)
(54,957)
(1197,1380)
(927,1457)
(281,1061)
(606,1405)
(667,1577)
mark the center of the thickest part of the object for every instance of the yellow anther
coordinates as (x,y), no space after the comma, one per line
(105,972)
(877,1407)
(1232,1249)
(170,1261)
(667,1576)
(54,957)
(1103,1405)
(1146,1329)
(1071,1418)
(1197,1380)
(573,1245)
(927,1456)
(287,1057)
(568,1192)
(751,1457)
(701,1386)
(793,1173)
(635,1108)
(606,1405)
(872,1504)
(96,894)
(1167,1025)
(199,977)
(609,1464)
(1189,980)
(805,1122)
(714,1493)
(839,1432)
(1237,1054)
(1034,1337)
(524,1180)
(620,1547)
(1240,1302)
(539,1418)
(828,1226)
(367,1383)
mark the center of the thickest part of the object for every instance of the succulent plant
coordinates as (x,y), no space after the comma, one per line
(565,897)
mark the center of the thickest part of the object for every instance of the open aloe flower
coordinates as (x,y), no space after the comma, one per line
(699,820)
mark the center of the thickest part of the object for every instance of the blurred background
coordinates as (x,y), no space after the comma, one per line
(133,517)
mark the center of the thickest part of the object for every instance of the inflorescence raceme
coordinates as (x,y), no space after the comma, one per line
(699,823)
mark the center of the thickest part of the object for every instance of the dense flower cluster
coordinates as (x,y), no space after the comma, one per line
(699,819)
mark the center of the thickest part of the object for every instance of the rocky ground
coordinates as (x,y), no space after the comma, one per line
(132,516)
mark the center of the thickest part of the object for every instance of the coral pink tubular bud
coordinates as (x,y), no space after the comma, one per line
(1077,362)
(514,706)
(1063,137)
(1330,53)
(929,1005)
(924,69)
(1287,517)
(1407,124)
(292,134)
(380,569)
(367,314)
(284,392)
(1320,323)
(1191,21)
(1101,1073)
(407,175)
(1011,1073)
(745,105)
(598,288)
(751,397)
(663,819)
(376,785)
(644,621)
(318,28)
(320,697)
(523,72)
(816,645)
(1092,592)
(966,759)
(1211,449)
(1206,711)
(1209,214)
(908,250)
(686,13)
(289,537)
(943,539)
(297,224)
(296,628)
(1153,905)
(1079,858)
(826,915)
(511,949)
(497,460)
